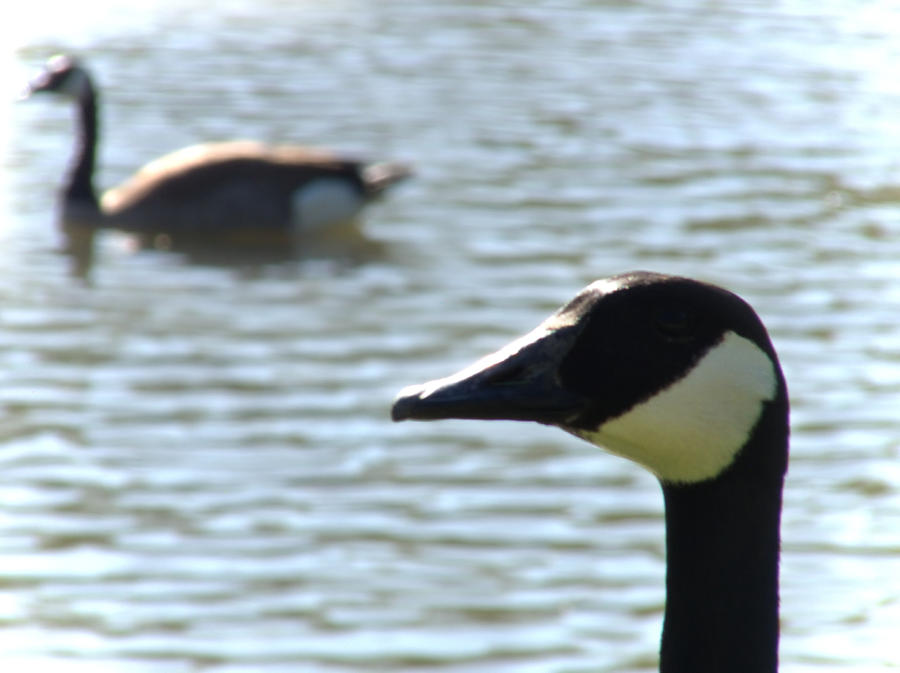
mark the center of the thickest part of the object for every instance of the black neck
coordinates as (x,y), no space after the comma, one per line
(80,186)
(722,544)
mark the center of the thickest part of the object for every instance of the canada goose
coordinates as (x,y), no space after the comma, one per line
(237,193)
(680,377)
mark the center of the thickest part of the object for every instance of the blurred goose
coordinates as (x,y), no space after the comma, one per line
(680,377)
(219,194)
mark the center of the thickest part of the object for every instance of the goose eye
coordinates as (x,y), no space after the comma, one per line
(675,323)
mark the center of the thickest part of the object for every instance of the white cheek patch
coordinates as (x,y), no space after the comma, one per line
(693,429)
(324,202)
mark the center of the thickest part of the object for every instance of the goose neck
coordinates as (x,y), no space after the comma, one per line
(722,546)
(80,186)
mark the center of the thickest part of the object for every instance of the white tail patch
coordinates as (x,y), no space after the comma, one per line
(692,430)
(324,202)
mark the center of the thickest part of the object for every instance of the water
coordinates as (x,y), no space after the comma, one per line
(197,469)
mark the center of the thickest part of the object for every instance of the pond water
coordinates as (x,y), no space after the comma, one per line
(197,467)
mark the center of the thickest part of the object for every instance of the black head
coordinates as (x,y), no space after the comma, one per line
(61,75)
(668,371)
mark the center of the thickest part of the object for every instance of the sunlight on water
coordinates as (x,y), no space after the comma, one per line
(70,26)
(197,468)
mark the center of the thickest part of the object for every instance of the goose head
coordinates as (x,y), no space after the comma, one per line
(670,372)
(61,75)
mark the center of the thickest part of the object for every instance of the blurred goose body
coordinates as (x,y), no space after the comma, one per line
(238,193)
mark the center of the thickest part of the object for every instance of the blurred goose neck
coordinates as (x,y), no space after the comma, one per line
(80,186)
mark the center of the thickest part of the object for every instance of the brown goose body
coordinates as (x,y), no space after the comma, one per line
(243,189)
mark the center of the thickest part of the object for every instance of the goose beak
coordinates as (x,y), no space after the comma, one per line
(37,84)
(27,91)
(519,382)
